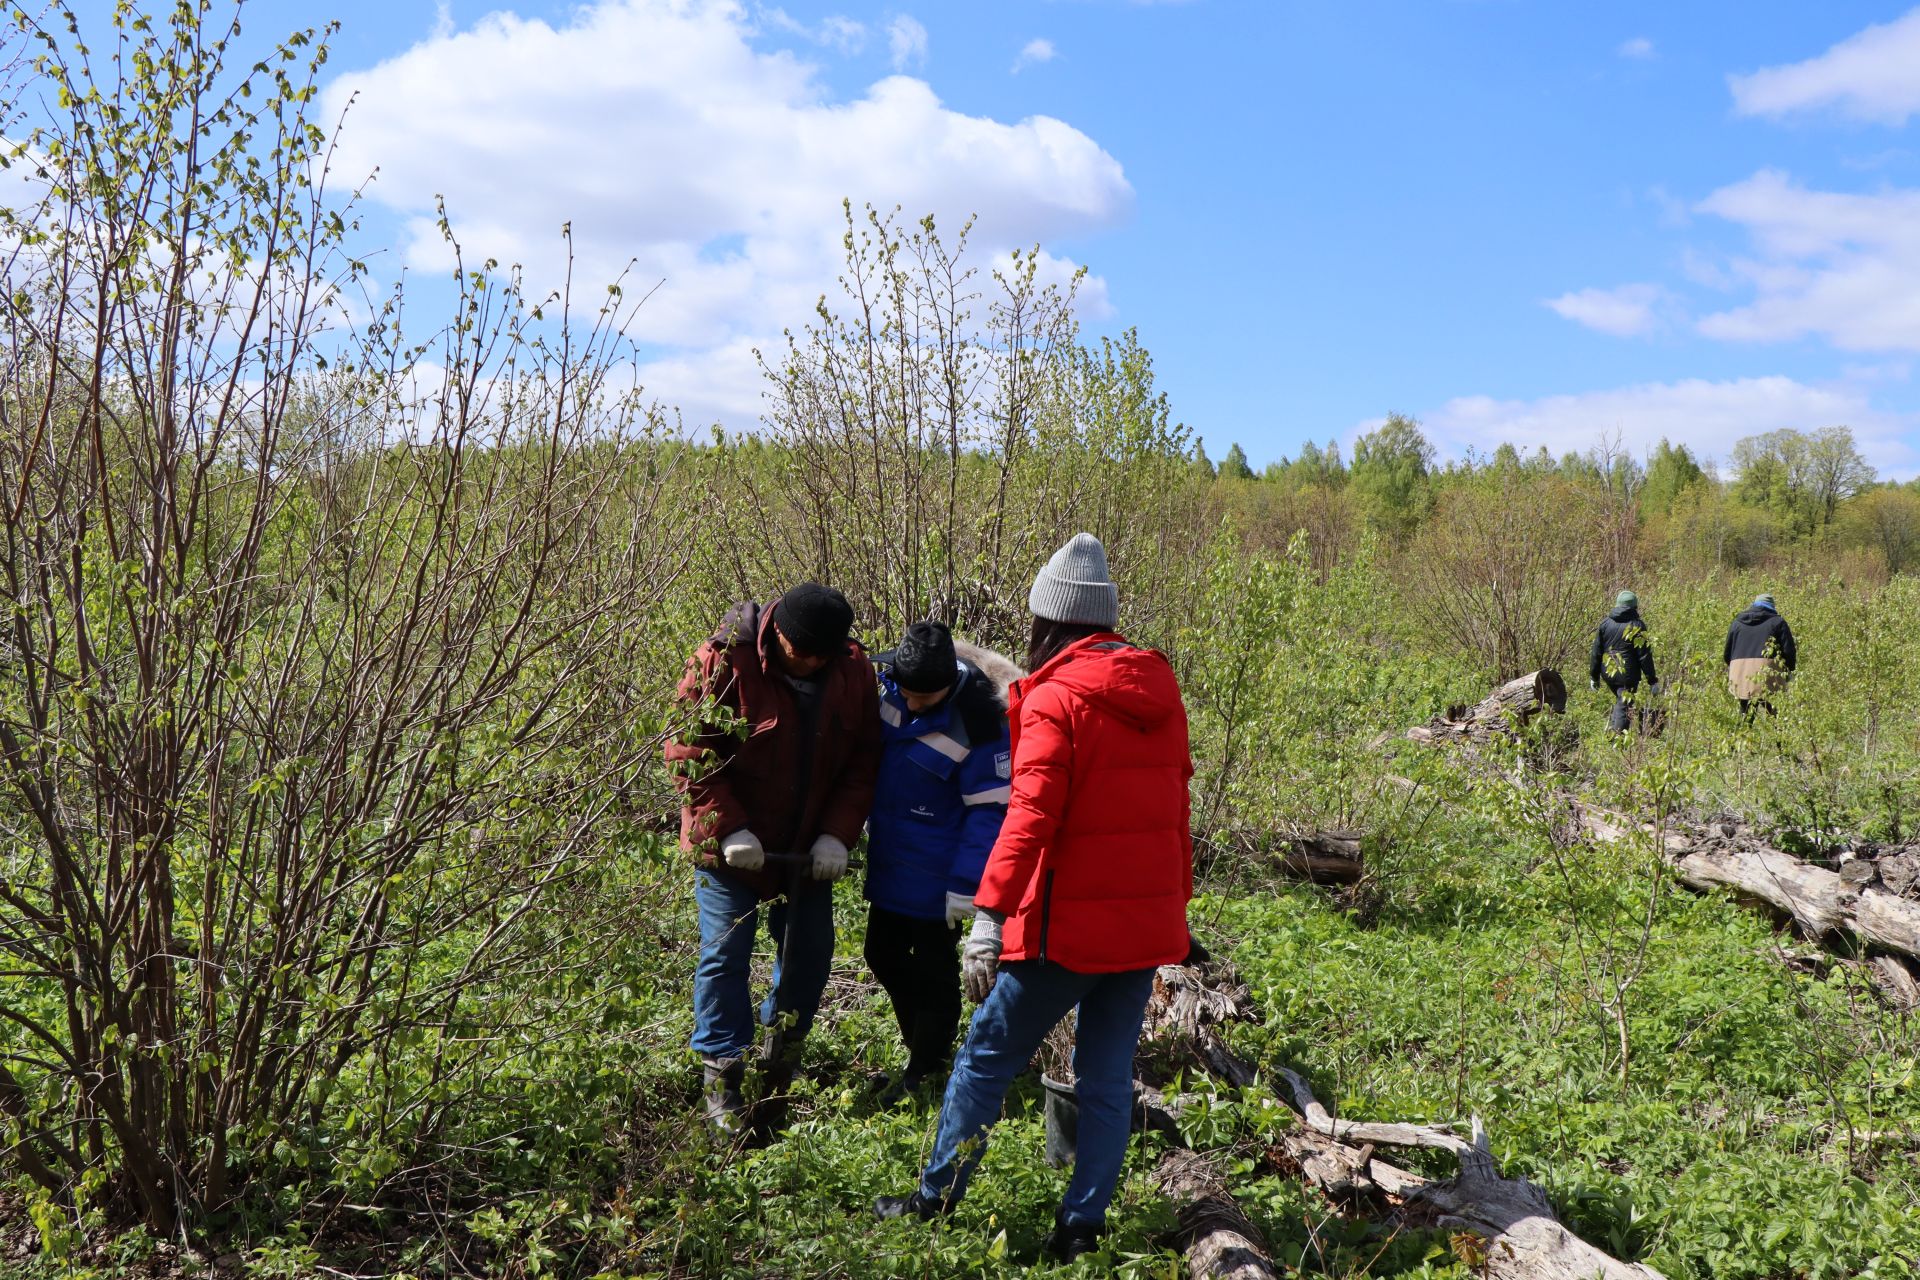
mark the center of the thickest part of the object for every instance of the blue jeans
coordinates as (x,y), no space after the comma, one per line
(1030,997)
(729,922)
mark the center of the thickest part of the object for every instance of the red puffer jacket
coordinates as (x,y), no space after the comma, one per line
(1094,864)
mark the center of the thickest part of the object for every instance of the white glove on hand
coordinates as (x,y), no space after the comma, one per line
(829,858)
(980,955)
(742,851)
(959,908)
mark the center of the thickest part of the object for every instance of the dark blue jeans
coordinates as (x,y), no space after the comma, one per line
(722,998)
(1028,1000)
(1626,710)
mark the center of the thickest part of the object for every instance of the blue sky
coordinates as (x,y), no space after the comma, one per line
(1539,221)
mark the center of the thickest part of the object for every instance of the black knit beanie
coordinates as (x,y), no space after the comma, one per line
(814,619)
(924,662)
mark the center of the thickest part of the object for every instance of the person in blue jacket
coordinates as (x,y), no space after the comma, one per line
(941,796)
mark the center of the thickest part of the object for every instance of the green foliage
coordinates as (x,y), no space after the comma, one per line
(1390,471)
(1801,477)
(1234,465)
(1672,471)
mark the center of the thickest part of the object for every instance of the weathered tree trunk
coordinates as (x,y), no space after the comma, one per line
(1821,902)
(1523,1239)
(1503,711)
(1324,857)
(1220,1242)
(1895,978)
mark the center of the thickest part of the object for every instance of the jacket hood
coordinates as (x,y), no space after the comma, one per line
(1624,613)
(999,670)
(1135,684)
(1754,617)
(746,620)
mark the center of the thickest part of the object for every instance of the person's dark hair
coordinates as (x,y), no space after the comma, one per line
(1050,637)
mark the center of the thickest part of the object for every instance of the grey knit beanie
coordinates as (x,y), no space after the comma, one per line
(1074,586)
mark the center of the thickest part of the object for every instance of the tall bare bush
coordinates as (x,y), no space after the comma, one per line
(1512,569)
(940,433)
(316,657)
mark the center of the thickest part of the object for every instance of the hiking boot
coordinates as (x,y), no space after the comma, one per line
(721,1080)
(1068,1240)
(889,1207)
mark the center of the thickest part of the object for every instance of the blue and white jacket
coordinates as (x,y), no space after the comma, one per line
(942,792)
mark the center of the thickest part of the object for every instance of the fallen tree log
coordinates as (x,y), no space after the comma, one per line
(1219,1240)
(1323,857)
(1820,902)
(1897,983)
(1523,1238)
(1503,711)
(1525,1241)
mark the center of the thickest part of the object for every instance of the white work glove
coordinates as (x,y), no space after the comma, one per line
(829,858)
(980,955)
(1594,685)
(742,851)
(959,908)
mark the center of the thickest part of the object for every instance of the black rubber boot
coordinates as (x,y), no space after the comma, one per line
(919,1206)
(1068,1240)
(902,1086)
(725,1106)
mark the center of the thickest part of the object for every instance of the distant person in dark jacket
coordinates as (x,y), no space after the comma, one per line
(945,777)
(1760,656)
(1622,657)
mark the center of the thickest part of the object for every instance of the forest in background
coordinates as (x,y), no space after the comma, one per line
(342,923)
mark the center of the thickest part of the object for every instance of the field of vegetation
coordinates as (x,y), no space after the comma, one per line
(342,926)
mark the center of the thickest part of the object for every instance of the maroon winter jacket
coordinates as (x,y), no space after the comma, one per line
(1094,864)
(762,774)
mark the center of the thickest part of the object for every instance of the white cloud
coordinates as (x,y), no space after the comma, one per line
(1709,416)
(1839,266)
(835,31)
(1872,75)
(1673,210)
(907,42)
(1035,52)
(1639,48)
(1624,311)
(663,135)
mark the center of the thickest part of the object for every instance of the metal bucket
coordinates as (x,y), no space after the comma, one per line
(1062,1121)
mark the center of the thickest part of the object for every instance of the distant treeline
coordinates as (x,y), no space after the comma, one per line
(1783,492)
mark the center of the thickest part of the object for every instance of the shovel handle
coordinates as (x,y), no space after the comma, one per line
(802,861)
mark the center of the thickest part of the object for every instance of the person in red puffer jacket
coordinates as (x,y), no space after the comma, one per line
(1084,895)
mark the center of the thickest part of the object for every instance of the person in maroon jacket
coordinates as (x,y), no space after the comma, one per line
(782,758)
(1085,893)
